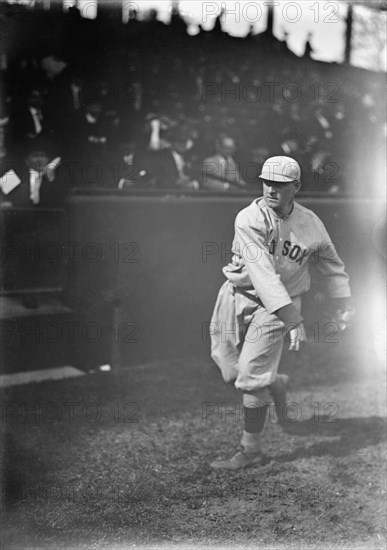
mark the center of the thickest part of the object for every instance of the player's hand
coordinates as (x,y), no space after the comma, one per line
(344,318)
(297,336)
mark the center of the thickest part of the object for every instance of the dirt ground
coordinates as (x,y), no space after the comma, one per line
(121,459)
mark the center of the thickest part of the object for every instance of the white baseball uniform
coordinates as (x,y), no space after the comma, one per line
(270,263)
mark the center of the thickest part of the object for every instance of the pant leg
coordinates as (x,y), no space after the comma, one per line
(261,351)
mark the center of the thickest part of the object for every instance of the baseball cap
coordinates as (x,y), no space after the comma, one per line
(281,169)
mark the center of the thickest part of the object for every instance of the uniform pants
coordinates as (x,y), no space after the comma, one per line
(246,341)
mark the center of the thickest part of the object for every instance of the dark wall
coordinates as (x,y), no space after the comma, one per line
(158,261)
(32,241)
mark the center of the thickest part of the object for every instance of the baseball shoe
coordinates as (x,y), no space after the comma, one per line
(241,459)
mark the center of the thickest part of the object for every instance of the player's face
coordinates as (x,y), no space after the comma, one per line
(280,196)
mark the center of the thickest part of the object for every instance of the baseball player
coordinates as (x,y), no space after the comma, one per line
(259,306)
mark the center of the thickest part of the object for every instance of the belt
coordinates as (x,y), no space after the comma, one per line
(248,295)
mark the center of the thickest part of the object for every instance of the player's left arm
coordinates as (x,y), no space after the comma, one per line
(329,264)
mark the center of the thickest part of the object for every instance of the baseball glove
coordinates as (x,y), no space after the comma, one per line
(344,317)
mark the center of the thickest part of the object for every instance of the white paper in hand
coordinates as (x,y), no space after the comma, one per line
(9,182)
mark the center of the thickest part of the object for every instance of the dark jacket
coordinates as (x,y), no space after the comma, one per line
(52,194)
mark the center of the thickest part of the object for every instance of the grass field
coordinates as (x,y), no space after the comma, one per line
(121,460)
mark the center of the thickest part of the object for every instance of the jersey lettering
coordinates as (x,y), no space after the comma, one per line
(302,257)
(294,252)
(293,255)
(285,250)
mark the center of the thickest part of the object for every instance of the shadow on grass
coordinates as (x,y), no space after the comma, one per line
(20,466)
(351,435)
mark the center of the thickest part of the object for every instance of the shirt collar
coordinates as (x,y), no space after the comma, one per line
(262,202)
(35,173)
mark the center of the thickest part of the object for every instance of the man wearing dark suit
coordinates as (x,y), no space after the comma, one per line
(37,181)
(221,172)
(89,141)
(168,167)
(28,120)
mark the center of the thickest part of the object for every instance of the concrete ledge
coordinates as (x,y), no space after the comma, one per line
(12,307)
(19,378)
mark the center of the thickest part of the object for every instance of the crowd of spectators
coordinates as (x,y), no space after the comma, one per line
(144,105)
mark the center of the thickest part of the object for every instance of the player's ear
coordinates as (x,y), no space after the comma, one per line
(297,186)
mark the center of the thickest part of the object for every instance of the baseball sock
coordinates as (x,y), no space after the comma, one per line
(255,405)
(254,418)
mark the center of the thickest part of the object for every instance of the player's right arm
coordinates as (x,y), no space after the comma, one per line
(251,244)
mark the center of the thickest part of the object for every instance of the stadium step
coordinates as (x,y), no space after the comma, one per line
(40,332)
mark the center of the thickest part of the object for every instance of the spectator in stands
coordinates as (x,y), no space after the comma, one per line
(253,167)
(4,125)
(290,142)
(53,66)
(221,172)
(35,182)
(180,145)
(64,102)
(308,46)
(168,167)
(218,80)
(157,126)
(126,172)
(322,173)
(88,144)
(90,130)
(320,124)
(28,120)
